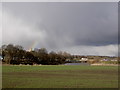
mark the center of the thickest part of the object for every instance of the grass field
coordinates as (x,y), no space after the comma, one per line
(60,76)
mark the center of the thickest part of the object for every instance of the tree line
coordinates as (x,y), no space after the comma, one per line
(16,54)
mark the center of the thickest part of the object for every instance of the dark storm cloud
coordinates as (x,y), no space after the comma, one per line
(66,24)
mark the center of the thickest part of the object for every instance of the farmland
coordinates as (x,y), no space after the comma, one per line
(59,76)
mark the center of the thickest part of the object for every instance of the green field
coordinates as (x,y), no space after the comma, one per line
(60,76)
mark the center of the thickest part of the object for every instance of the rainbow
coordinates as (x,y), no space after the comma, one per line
(33,45)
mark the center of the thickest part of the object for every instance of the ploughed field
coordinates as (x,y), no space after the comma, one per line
(60,76)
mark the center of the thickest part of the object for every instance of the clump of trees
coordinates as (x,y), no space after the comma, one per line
(15,54)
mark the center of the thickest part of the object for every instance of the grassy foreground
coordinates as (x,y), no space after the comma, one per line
(60,76)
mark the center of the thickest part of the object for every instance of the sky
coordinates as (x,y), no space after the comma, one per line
(89,28)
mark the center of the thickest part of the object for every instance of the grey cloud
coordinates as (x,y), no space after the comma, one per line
(67,24)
